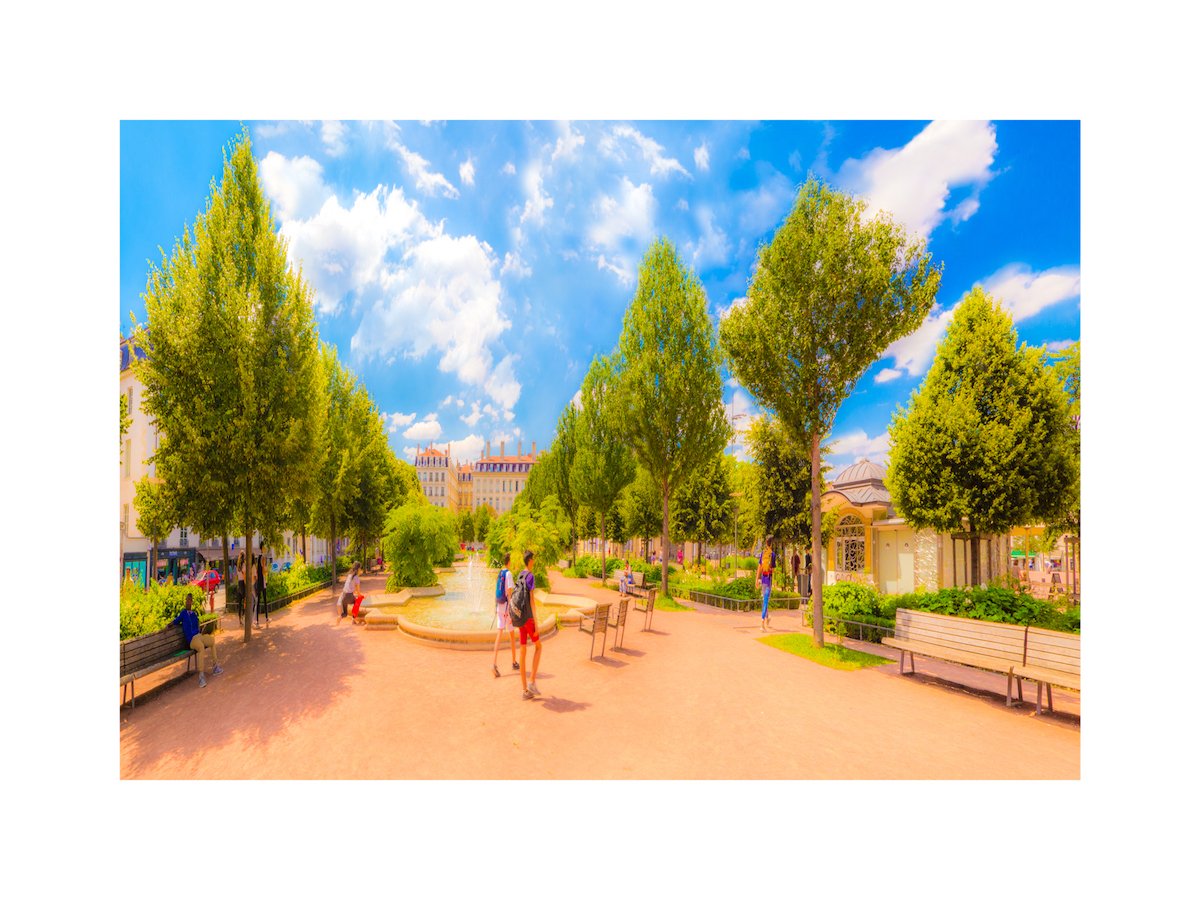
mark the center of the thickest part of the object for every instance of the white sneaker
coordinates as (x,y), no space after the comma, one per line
(533,687)
(203,683)
(526,695)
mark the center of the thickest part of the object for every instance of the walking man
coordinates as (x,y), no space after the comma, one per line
(524,619)
(766,566)
(504,589)
(190,623)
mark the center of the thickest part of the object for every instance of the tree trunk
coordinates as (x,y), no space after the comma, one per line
(153,557)
(665,542)
(332,559)
(603,541)
(248,602)
(225,566)
(974,556)
(818,609)
(303,550)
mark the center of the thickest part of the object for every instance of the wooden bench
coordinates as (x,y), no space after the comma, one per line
(597,624)
(1051,657)
(994,646)
(150,652)
(616,622)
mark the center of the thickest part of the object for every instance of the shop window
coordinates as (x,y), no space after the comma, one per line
(851,545)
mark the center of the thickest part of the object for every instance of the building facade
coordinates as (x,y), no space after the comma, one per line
(499,480)
(436,476)
(181,550)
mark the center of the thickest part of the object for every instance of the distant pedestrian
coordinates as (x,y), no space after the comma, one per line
(524,619)
(349,589)
(766,566)
(504,589)
(260,589)
(796,569)
(627,578)
(190,622)
(680,556)
(241,584)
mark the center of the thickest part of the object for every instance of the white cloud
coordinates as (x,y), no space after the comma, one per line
(538,200)
(914,182)
(763,207)
(794,160)
(509,416)
(466,172)
(723,311)
(398,420)
(621,226)
(429,429)
(294,186)
(467,449)
(502,385)
(681,205)
(509,169)
(744,153)
(1025,293)
(1021,291)
(1056,346)
(857,446)
(418,167)
(732,382)
(449,399)
(713,247)
(624,273)
(700,155)
(459,401)
(265,131)
(410,453)
(332,133)
(567,144)
(514,265)
(474,417)
(577,400)
(652,152)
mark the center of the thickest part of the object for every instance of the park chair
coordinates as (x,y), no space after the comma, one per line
(617,622)
(597,624)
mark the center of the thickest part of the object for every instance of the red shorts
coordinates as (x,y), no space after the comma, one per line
(528,629)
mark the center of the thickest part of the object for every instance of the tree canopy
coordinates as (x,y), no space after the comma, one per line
(986,443)
(672,416)
(830,292)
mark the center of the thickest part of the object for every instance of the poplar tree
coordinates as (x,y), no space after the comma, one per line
(986,444)
(672,411)
(830,292)
(561,461)
(603,464)
(230,363)
(703,509)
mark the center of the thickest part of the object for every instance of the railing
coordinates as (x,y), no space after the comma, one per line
(740,604)
(270,606)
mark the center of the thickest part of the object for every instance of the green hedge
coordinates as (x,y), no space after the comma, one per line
(418,538)
(144,612)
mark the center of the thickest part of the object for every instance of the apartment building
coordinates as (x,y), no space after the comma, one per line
(499,479)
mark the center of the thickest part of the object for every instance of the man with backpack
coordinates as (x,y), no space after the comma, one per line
(524,618)
(504,589)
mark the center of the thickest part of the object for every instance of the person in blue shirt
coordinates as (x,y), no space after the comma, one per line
(190,623)
(766,568)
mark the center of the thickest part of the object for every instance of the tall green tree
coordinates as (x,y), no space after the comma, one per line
(643,508)
(830,292)
(1066,367)
(703,508)
(561,461)
(466,526)
(781,502)
(539,485)
(673,416)
(986,443)
(126,421)
(156,515)
(230,362)
(603,464)
(483,517)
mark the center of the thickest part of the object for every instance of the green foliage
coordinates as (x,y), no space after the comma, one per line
(152,609)
(294,580)
(589,564)
(834,656)
(572,572)
(643,506)
(560,462)
(673,415)
(781,486)
(829,293)
(482,520)
(545,531)
(126,421)
(846,600)
(417,538)
(230,365)
(465,523)
(703,508)
(986,438)
(156,515)
(994,604)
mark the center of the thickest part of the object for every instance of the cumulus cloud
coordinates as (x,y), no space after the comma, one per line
(652,152)
(723,311)
(466,172)
(1025,293)
(700,155)
(794,160)
(744,153)
(418,167)
(467,449)
(428,429)
(624,273)
(681,205)
(621,225)
(577,400)
(713,248)
(398,420)
(1021,291)
(515,266)
(568,143)
(1056,346)
(449,399)
(509,169)
(762,208)
(538,201)
(295,187)
(914,182)
(474,417)
(502,384)
(856,445)
(332,133)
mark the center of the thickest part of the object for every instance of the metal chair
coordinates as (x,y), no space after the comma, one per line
(598,625)
(617,623)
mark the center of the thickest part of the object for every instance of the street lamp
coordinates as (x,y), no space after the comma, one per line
(735,540)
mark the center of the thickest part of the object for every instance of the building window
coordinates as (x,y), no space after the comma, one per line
(183,537)
(128,457)
(851,545)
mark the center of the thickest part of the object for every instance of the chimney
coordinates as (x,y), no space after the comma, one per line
(518,449)
(502,448)
(489,448)
(533,451)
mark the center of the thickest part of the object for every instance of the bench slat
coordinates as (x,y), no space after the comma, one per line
(971,659)
(1052,676)
(969,645)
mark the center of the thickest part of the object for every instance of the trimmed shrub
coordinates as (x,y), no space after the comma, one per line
(152,609)
(417,537)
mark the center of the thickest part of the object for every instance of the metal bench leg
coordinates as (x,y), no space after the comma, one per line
(1039,703)
(1008,691)
(1020,693)
(1049,697)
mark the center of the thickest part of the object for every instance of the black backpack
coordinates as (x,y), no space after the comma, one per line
(518,604)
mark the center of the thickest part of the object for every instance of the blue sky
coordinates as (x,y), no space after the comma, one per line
(469,271)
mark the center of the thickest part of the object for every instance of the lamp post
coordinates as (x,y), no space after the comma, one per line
(736,509)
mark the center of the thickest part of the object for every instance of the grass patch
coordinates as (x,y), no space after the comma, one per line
(669,604)
(835,656)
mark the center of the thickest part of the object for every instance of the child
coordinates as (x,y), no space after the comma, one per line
(526,625)
(504,589)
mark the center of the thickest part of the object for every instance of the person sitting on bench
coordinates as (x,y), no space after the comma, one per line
(190,622)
